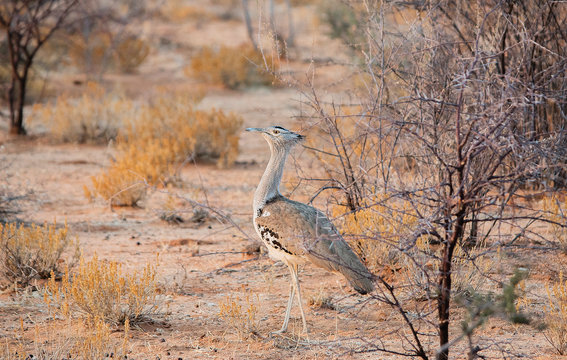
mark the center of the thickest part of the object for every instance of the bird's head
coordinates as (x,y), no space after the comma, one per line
(279,136)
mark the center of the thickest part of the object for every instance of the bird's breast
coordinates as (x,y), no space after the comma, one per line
(276,249)
(272,239)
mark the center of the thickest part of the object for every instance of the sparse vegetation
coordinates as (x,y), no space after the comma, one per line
(103,37)
(377,231)
(233,67)
(153,146)
(240,315)
(94,117)
(175,11)
(28,27)
(228,9)
(444,128)
(9,198)
(28,252)
(435,143)
(342,19)
(79,340)
(99,290)
(131,53)
(321,301)
(556,210)
(556,315)
(90,54)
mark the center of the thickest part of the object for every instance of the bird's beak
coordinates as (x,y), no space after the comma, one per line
(255,129)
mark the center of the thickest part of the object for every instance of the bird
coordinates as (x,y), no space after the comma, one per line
(296,233)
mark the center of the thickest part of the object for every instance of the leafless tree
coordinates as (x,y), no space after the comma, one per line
(462,106)
(28,25)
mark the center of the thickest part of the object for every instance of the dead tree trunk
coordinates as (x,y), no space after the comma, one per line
(291,33)
(248,22)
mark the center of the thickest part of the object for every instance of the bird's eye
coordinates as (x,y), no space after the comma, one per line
(275,132)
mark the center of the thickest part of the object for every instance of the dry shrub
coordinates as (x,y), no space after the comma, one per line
(102,50)
(90,54)
(176,12)
(9,197)
(154,145)
(304,2)
(95,117)
(79,340)
(228,9)
(100,290)
(468,270)
(240,316)
(37,86)
(131,53)
(556,315)
(376,232)
(119,185)
(217,136)
(32,252)
(556,212)
(97,343)
(342,20)
(233,67)
(320,300)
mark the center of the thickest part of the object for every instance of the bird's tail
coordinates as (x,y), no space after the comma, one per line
(343,259)
(360,278)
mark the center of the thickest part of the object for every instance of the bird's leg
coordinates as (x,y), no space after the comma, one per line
(293,269)
(288,310)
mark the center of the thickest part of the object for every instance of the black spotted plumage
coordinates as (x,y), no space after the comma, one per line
(270,238)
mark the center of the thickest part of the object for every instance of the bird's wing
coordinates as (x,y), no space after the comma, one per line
(296,225)
(305,231)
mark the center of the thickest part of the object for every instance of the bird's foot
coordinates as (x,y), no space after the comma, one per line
(278,332)
(306,334)
(283,331)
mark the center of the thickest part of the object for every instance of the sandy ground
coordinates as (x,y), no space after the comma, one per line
(203,263)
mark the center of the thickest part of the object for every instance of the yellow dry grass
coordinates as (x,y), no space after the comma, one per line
(131,53)
(98,290)
(153,146)
(240,315)
(556,315)
(175,11)
(32,252)
(555,207)
(376,231)
(233,67)
(94,117)
(69,339)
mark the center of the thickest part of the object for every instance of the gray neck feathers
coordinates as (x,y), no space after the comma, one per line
(269,186)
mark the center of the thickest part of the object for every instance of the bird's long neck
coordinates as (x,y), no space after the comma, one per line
(269,186)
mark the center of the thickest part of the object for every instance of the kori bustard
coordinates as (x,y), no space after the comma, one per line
(296,233)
